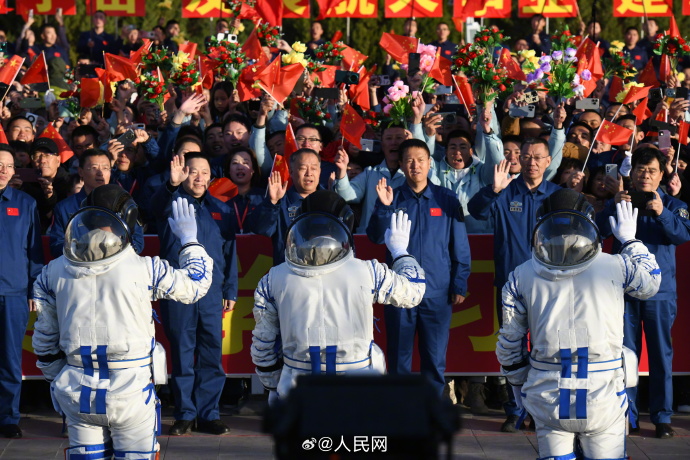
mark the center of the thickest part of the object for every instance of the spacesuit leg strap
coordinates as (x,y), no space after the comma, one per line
(91,452)
(151,388)
(85,396)
(315,358)
(570,456)
(581,393)
(103,374)
(564,393)
(331,351)
(135,455)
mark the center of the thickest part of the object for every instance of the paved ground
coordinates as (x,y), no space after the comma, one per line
(478,438)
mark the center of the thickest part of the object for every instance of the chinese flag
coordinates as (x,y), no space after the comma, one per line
(280,164)
(120,68)
(245,83)
(352,126)
(673,28)
(252,49)
(4,10)
(352,58)
(223,189)
(324,6)
(9,71)
(287,79)
(91,93)
(683,128)
(398,47)
(188,48)
(359,93)
(440,70)
(326,77)
(613,134)
(38,72)
(290,142)
(641,112)
(463,90)
(206,67)
(135,56)
(665,68)
(337,36)
(648,75)
(293,9)
(65,152)
(268,76)
(107,85)
(615,88)
(270,11)
(591,54)
(3,136)
(513,68)
(636,93)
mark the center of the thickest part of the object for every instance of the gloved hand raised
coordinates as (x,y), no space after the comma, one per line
(183,221)
(624,230)
(398,235)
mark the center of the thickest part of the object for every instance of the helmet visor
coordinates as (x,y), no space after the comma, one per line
(316,239)
(94,234)
(565,239)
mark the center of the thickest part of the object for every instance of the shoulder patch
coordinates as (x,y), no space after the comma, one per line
(682,212)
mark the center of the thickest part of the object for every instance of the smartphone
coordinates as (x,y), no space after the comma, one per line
(367,145)
(639,200)
(32,117)
(380,80)
(590,103)
(87,71)
(428,107)
(447,118)
(31,13)
(127,138)
(31,103)
(656,94)
(612,170)
(139,126)
(660,125)
(413,64)
(682,93)
(531,97)
(27,174)
(440,89)
(452,99)
(526,111)
(664,140)
(149,35)
(327,93)
(58,11)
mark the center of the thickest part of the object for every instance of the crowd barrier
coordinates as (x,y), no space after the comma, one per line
(473,325)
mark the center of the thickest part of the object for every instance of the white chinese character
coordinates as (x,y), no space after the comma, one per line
(361,443)
(342,444)
(380,443)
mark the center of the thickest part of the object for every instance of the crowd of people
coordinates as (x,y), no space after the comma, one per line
(482,169)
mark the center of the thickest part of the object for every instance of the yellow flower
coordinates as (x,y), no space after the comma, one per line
(299,47)
(616,46)
(626,89)
(527,54)
(240,28)
(680,76)
(179,60)
(294,58)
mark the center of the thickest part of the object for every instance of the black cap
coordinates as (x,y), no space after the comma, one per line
(566,199)
(326,201)
(45,144)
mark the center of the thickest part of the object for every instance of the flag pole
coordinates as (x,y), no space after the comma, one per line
(46,63)
(591,145)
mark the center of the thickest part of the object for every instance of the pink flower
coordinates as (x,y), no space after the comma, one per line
(395,96)
(398,84)
(425,63)
(387,108)
(386,100)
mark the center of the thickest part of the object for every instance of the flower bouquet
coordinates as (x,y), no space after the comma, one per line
(563,41)
(310,110)
(150,86)
(619,65)
(156,59)
(373,119)
(398,102)
(185,74)
(329,53)
(268,35)
(671,48)
(236,6)
(476,63)
(557,72)
(230,57)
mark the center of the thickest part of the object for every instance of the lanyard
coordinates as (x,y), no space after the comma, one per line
(240,221)
(131,190)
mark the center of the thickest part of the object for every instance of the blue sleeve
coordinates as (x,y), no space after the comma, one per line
(153,154)
(602,218)
(230,284)
(138,239)
(379,222)
(161,202)
(676,228)
(166,141)
(479,205)
(264,219)
(35,252)
(460,255)
(56,232)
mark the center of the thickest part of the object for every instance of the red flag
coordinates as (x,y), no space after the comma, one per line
(648,75)
(352,126)
(269,75)
(398,46)
(120,68)
(359,93)
(611,133)
(326,77)
(440,70)
(270,11)
(615,88)
(38,72)
(325,6)
(506,61)
(463,90)
(107,88)
(4,10)
(252,48)
(3,136)
(673,28)
(65,152)
(665,70)
(287,79)
(337,36)
(290,142)
(91,93)
(223,189)
(590,53)
(280,164)
(245,83)
(683,128)
(135,56)
(9,71)
(636,93)
(188,48)
(641,112)
(206,66)
(352,58)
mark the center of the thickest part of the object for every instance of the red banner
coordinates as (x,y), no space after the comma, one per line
(46,7)
(416,8)
(686,8)
(355,9)
(549,8)
(117,7)
(296,9)
(636,8)
(473,326)
(205,9)
(481,9)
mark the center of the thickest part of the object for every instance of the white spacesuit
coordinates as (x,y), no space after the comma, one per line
(319,302)
(94,336)
(569,297)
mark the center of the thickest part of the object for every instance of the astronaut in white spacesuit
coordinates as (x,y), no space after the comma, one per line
(569,297)
(94,336)
(319,302)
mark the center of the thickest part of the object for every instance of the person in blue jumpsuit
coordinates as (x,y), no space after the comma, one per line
(195,331)
(439,242)
(511,203)
(277,211)
(94,169)
(21,261)
(662,225)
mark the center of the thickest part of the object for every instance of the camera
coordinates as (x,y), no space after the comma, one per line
(346,77)
(232,38)
(380,80)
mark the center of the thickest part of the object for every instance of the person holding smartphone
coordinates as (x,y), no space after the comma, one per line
(662,225)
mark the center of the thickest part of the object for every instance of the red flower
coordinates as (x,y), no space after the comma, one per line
(502,87)
(567,33)
(490,65)
(486,39)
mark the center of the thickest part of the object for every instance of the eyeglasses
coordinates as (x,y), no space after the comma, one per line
(39,155)
(97,168)
(310,140)
(645,171)
(6,166)
(528,158)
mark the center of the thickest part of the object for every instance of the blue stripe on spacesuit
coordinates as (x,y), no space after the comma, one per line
(103,374)
(581,393)
(566,372)
(330,358)
(569,456)
(85,396)
(315,356)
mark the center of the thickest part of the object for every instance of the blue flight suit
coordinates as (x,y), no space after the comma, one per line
(21,261)
(514,215)
(661,235)
(438,241)
(244,206)
(273,220)
(64,211)
(195,331)
(103,42)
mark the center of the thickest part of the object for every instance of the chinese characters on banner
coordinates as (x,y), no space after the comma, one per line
(355,9)
(416,8)
(116,7)
(296,9)
(635,8)
(549,8)
(204,9)
(46,7)
(482,9)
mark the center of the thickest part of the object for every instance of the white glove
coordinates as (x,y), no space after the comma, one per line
(624,230)
(518,396)
(183,221)
(398,235)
